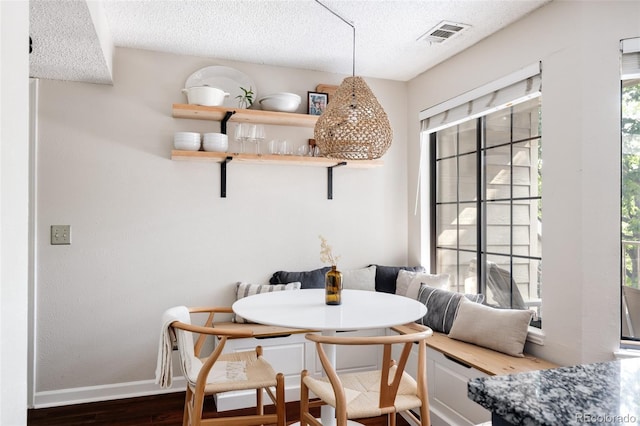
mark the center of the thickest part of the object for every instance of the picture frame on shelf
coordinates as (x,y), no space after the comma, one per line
(317,102)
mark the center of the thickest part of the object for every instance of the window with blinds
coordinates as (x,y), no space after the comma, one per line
(486,216)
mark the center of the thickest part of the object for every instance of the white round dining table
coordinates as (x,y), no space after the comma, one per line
(306,309)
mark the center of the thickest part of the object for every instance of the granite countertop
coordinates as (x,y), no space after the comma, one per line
(600,393)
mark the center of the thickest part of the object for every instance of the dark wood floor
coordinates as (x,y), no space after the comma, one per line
(165,410)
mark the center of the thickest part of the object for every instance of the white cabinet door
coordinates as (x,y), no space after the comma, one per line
(448,392)
(447,385)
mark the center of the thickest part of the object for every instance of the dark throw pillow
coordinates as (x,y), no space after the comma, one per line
(386,276)
(308,279)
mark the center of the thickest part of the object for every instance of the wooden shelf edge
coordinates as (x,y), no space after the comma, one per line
(291,160)
(216,157)
(199,112)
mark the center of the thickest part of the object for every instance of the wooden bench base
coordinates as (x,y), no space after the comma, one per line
(486,360)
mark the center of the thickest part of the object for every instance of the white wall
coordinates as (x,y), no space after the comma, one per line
(578,44)
(149,233)
(14,214)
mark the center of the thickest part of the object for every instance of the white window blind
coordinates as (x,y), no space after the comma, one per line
(630,58)
(510,90)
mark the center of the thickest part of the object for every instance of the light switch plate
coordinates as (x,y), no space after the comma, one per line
(60,234)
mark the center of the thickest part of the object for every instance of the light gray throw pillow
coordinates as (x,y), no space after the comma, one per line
(360,279)
(503,330)
(408,282)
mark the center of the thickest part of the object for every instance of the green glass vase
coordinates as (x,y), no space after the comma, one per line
(333,286)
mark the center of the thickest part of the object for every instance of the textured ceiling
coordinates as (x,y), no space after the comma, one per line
(67,34)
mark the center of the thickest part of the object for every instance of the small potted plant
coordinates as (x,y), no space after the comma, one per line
(245,100)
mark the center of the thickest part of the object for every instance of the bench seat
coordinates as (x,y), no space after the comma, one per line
(486,360)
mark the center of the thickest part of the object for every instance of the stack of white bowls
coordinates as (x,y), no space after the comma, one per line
(186,141)
(215,142)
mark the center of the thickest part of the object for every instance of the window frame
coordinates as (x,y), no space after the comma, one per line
(629,70)
(481,201)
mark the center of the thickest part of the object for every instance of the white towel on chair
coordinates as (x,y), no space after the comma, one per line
(164,365)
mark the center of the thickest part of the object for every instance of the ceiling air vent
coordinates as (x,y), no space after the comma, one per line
(445,30)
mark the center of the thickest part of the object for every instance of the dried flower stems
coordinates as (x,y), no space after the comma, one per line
(326,253)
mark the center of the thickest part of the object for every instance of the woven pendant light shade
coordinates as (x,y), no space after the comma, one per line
(354,126)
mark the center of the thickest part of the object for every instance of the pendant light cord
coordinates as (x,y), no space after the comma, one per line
(353,70)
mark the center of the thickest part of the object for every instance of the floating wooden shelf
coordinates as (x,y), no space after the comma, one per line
(240,115)
(226,114)
(289,160)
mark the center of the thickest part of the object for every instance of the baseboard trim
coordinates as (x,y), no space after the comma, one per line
(86,394)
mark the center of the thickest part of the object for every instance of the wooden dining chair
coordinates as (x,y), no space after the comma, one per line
(219,372)
(389,390)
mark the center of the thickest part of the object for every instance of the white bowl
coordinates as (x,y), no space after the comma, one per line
(186,141)
(220,145)
(214,136)
(187,145)
(283,102)
(205,95)
(186,135)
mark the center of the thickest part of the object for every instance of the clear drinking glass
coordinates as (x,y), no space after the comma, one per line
(274,145)
(241,136)
(284,147)
(258,136)
(249,133)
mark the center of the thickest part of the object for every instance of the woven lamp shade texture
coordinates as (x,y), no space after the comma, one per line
(351,130)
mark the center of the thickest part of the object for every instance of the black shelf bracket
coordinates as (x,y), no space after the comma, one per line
(330,179)
(223,177)
(223,122)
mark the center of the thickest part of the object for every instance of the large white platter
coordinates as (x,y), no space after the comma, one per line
(226,78)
